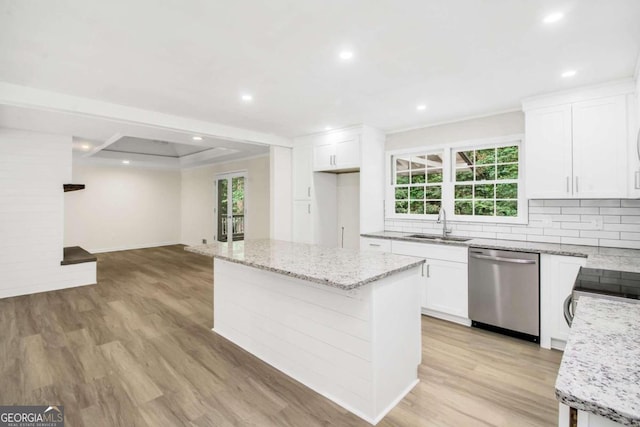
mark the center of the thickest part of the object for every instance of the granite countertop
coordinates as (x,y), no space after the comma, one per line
(341,268)
(597,257)
(600,369)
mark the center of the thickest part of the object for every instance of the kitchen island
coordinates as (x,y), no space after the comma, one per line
(343,322)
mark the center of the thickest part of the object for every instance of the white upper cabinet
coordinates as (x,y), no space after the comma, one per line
(548,153)
(317,218)
(348,153)
(323,156)
(340,154)
(576,144)
(600,148)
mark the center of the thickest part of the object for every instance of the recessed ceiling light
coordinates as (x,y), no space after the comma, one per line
(196,138)
(346,54)
(553,17)
(569,73)
(246,97)
(421,107)
(125,162)
(85,146)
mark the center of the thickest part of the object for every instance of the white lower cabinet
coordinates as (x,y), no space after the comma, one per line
(445,293)
(445,289)
(557,276)
(444,281)
(302,221)
(378,245)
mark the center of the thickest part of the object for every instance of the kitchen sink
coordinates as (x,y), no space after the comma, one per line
(439,238)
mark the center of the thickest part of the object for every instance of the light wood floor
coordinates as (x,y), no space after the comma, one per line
(137,350)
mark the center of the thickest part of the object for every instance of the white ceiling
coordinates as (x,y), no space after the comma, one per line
(92,135)
(195,58)
(154,147)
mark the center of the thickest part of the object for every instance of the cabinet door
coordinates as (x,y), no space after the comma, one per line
(445,287)
(348,153)
(323,157)
(377,245)
(302,172)
(548,173)
(432,251)
(302,223)
(600,148)
(557,276)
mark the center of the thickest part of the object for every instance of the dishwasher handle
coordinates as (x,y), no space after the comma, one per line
(502,259)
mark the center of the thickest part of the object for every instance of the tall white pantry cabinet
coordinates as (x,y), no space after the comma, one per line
(317,159)
(578,143)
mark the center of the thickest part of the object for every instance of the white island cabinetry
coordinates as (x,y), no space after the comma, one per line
(342,322)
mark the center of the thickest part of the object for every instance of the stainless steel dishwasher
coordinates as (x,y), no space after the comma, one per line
(504,292)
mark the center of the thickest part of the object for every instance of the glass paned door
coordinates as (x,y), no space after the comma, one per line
(230,212)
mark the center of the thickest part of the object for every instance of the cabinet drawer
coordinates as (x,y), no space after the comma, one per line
(444,252)
(379,245)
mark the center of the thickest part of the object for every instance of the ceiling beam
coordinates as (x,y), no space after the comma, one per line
(27,97)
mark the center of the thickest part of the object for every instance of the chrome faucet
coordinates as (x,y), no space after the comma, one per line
(442,218)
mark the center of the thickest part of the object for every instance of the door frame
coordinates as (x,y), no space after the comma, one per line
(229,175)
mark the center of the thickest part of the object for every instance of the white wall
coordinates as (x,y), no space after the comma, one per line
(348,206)
(33,168)
(281,193)
(484,127)
(122,207)
(372,175)
(612,223)
(198,200)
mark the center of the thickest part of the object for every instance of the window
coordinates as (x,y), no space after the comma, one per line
(479,181)
(418,183)
(486,182)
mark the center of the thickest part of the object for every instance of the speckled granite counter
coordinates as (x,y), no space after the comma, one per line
(597,257)
(340,268)
(600,369)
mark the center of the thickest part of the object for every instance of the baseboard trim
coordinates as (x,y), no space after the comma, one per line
(395,402)
(16,292)
(132,247)
(372,421)
(448,317)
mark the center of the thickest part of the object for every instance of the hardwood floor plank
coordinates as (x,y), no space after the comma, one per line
(139,387)
(35,364)
(161,412)
(137,350)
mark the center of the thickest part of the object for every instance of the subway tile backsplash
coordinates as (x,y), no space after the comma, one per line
(611,223)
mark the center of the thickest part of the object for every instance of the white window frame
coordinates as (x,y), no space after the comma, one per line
(425,151)
(230,175)
(448,180)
